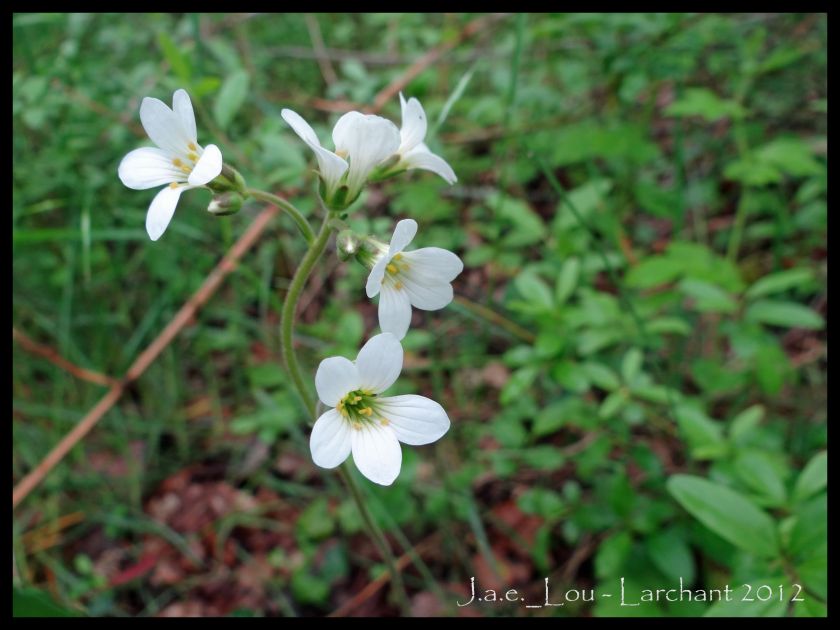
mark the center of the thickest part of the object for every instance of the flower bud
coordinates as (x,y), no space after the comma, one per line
(226,203)
(228,180)
(370,250)
(347,244)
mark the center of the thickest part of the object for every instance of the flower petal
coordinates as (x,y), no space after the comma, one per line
(377,453)
(414,124)
(380,362)
(403,234)
(377,273)
(429,296)
(147,168)
(208,167)
(414,419)
(182,106)
(330,165)
(330,440)
(421,157)
(366,140)
(434,263)
(164,126)
(300,127)
(161,210)
(336,377)
(394,311)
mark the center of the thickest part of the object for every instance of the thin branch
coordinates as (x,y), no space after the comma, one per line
(181,319)
(51,355)
(393,88)
(318,46)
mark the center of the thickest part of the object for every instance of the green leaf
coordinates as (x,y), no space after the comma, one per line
(784,314)
(671,554)
(745,422)
(33,602)
(230,98)
(727,513)
(176,59)
(603,376)
(704,435)
(612,554)
(759,473)
(631,364)
(706,104)
(810,530)
(612,404)
(567,280)
(653,272)
(779,282)
(813,478)
(707,297)
(534,290)
(522,226)
(542,502)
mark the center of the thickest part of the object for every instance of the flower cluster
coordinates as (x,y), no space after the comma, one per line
(367,148)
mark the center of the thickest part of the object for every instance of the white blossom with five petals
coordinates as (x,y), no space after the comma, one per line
(178,160)
(413,151)
(363,422)
(361,141)
(421,278)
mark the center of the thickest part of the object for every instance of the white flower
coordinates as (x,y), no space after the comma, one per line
(179,160)
(421,278)
(361,143)
(412,151)
(363,422)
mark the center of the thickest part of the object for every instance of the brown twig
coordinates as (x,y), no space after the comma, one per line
(376,585)
(393,88)
(318,46)
(181,318)
(51,355)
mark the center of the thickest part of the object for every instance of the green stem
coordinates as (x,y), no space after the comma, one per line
(287,323)
(378,537)
(299,219)
(287,319)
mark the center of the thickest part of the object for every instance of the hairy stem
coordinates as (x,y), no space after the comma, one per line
(288,208)
(287,320)
(287,324)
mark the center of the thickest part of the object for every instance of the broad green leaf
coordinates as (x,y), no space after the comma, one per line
(758,472)
(784,314)
(612,404)
(706,104)
(653,272)
(813,478)
(707,297)
(534,290)
(612,554)
(704,435)
(727,513)
(671,554)
(603,376)
(779,282)
(745,422)
(810,531)
(542,502)
(230,97)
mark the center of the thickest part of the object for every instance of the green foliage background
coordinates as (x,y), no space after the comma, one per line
(637,371)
